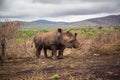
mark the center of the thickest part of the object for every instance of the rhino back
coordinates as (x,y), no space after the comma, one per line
(45,38)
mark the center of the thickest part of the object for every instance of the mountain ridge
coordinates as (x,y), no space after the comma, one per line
(42,21)
(112,20)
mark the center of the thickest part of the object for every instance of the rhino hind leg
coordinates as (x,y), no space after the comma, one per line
(54,52)
(38,51)
(45,53)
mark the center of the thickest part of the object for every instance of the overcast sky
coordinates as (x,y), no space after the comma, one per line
(57,10)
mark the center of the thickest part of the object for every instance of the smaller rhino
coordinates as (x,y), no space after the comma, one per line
(55,40)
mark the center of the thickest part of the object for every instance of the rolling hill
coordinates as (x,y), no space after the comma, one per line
(46,22)
(112,20)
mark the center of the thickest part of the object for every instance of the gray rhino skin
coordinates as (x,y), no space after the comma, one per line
(55,40)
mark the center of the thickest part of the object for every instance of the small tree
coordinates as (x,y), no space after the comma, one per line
(3,47)
(100,27)
(7,31)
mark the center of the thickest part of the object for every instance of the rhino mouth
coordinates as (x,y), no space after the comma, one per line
(69,47)
(76,46)
(73,47)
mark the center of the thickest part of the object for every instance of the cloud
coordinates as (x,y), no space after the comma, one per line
(70,1)
(56,8)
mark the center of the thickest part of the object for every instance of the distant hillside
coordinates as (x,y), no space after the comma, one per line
(46,22)
(113,20)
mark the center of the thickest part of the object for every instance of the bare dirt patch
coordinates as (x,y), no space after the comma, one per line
(72,67)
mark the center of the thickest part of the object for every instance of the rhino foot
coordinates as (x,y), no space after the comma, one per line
(60,57)
(54,58)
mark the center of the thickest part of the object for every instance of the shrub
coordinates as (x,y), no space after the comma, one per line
(55,77)
(106,43)
(44,30)
(19,40)
(117,28)
(27,33)
(7,31)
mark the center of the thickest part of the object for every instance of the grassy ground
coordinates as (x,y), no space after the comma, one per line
(97,59)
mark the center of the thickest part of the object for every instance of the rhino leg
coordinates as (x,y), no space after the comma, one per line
(45,53)
(38,51)
(60,54)
(54,53)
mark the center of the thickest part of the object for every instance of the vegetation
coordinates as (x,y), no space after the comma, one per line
(89,31)
(19,40)
(29,33)
(7,31)
(55,77)
(21,63)
(116,28)
(86,31)
(106,43)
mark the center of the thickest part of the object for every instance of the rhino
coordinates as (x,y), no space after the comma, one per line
(56,40)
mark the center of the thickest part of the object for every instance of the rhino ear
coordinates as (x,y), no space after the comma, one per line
(60,30)
(59,33)
(75,34)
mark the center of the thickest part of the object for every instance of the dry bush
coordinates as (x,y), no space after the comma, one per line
(106,43)
(7,32)
(84,44)
(20,50)
(9,29)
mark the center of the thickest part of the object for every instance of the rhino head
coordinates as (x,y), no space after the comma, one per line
(67,39)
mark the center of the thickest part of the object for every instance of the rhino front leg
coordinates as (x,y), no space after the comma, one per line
(54,57)
(45,53)
(60,54)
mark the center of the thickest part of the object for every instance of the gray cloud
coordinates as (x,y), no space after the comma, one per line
(2,4)
(67,1)
(93,9)
(56,8)
(48,1)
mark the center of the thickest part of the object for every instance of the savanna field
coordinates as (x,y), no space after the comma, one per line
(98,56)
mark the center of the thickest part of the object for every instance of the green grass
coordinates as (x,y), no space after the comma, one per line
(29,33)
(44,30)
(117,28)
(19,40)
(88,31)
(55,76)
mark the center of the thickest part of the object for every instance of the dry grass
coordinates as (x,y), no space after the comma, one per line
(106,43)
(103,43)
(19,50)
